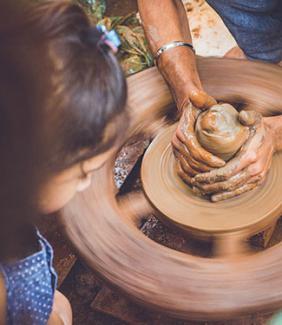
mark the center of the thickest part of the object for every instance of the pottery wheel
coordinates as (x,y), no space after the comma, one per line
(176,201)
(105,227)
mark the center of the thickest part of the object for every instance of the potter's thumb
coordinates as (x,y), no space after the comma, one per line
(201,99)
(249,118)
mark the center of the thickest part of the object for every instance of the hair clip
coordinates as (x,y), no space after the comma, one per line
(110,38)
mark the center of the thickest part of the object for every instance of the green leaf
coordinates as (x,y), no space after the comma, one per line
(134,54)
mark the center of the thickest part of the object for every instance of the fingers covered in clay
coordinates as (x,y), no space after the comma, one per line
(224,173)
(185,165)
(259,169)
(201,99)
(182,174)
(245,157)
(203,138)
(231,184)
(250,118)
(180,150)
(230,194)
(251,184)
(251,177)
(185,133)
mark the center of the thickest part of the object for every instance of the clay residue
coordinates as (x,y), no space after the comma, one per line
(220,132)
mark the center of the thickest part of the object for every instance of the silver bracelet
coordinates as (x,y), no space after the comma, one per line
(171,45)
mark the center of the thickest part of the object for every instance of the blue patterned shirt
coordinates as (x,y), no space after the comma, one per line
(30,285)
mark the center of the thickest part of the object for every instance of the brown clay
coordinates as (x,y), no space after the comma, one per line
(219,131)
(230,175)
(223,132)
(182,285)
(196,214)
(186,142)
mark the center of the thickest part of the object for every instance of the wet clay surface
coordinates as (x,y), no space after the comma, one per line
(220,132)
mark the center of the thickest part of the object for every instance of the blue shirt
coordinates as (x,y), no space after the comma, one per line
(255,24)
(30,286)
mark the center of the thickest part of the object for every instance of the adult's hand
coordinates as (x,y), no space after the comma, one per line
(192,159)
(178,65)
(247,169)
(179,68)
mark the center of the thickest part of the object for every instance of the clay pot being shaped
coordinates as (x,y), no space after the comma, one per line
(220,132)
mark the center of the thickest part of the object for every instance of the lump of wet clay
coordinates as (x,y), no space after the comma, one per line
(220,132)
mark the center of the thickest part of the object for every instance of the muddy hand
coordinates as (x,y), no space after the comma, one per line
(245,157)
(186,145)
(201,99)
(230,194)
(255,174)
(249,167)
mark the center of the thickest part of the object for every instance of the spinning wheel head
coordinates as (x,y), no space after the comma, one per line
(248,213)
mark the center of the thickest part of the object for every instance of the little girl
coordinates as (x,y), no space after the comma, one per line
(62,99)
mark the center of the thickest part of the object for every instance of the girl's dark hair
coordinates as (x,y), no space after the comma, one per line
(88,87)
(62,97)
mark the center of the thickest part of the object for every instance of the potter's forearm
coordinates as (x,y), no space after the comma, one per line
(165,21)
(274,123)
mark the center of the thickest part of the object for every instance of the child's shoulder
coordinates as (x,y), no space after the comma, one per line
(2,300)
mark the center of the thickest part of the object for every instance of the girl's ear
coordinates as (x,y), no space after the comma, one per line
(83,183)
